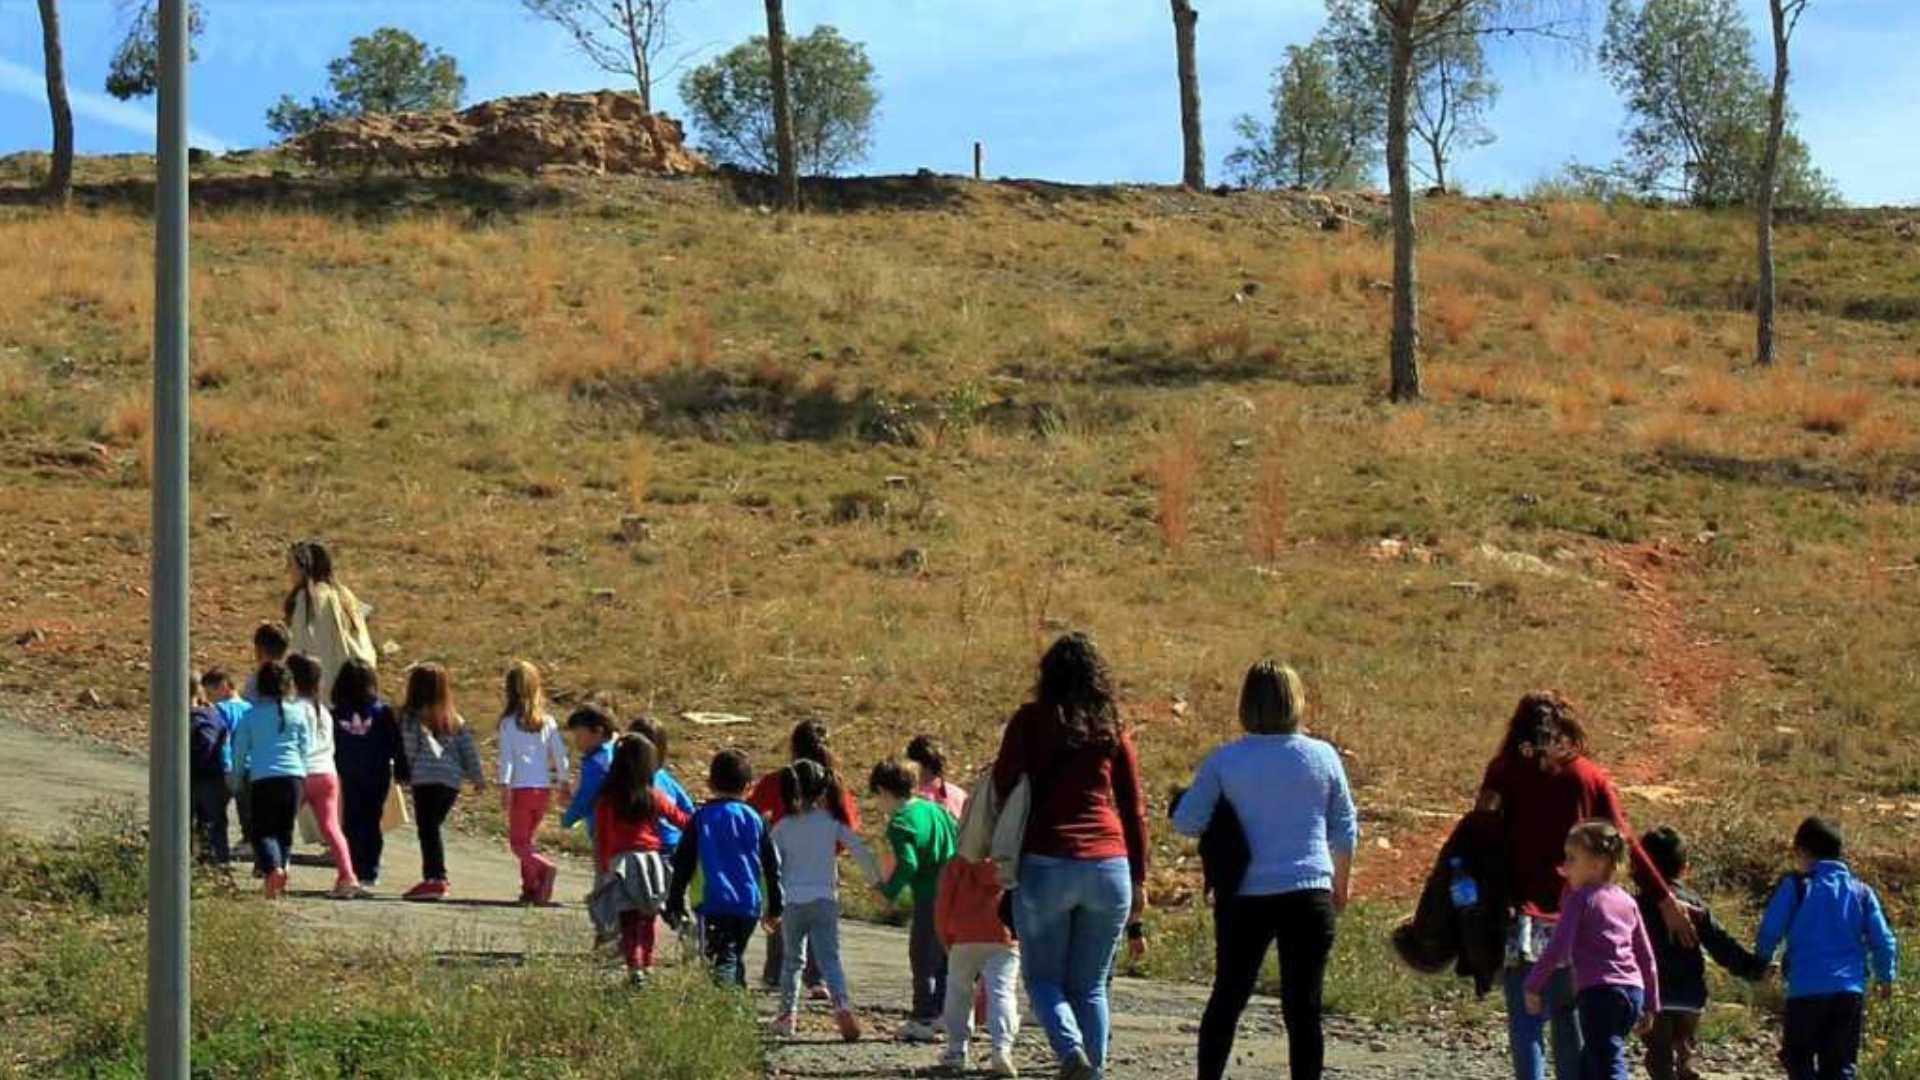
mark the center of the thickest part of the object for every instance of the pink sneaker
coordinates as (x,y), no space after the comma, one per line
(784,1026)
(431,889)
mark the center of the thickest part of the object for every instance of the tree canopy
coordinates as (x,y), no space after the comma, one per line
(386,71)
(134,71)
(1325,128)
(835,101)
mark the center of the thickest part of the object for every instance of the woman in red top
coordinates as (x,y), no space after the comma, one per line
(627,817)
(1083,867)
(807,743)
(1542,784)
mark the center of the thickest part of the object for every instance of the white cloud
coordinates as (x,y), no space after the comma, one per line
(22,81)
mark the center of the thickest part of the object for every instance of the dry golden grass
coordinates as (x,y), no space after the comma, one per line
(1833,412)
(1175,473)
(1712,393)
(1267,514)
(1451,314)
(1905,374)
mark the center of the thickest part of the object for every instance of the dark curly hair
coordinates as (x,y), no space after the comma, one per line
(1541,715)
(1076,686)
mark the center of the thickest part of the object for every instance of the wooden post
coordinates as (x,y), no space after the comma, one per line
(979,160)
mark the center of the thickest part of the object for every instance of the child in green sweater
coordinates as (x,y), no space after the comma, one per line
(921,834)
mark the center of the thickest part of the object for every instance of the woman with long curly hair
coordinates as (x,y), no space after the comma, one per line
(1083,866)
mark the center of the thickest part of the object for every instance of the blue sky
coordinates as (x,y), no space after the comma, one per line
(1078,90)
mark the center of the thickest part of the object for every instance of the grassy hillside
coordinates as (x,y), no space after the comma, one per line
(862,464)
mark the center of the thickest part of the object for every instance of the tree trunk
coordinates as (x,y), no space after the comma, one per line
(1763,302)
(1193,171)
(1439,168)
(59,186)
(1405,348)
(789,169)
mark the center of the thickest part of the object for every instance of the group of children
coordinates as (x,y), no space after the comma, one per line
(1631,975)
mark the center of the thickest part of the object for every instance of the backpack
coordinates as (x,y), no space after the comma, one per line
(206,744)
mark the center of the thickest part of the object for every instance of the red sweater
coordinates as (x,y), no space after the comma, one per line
(1087,802)
(765,797)
(966,909)
(1540,809)
(613,834)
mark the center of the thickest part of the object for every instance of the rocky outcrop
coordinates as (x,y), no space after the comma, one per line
(589,134)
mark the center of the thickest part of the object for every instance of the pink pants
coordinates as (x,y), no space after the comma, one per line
(526,808)
(323,794)
(636,939)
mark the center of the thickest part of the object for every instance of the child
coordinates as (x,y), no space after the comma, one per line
(440,753)
(1601,935)
(1683,970)
(967,916)
(591,729)
(727,841)
(931,763)
(369,757)
(270,646)
(322,787)
(629,816)
(923,839)
(1833,926)
(270,750)
(808,742)
(209,759)
(808,840)
(533,761)
(663,778)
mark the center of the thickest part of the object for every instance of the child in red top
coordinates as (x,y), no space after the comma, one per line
(627,817)
(966,915)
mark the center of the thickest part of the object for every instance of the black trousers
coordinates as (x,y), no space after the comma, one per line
(927,961)
(431,805)
(210,798)
(727,938)
(276,800)
(361,805)
(1671,1045)
(1822,1038)
(1301,925)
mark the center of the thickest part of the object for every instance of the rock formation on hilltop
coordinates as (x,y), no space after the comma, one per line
(591,134)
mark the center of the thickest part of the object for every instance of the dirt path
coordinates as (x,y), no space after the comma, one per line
(1154,1022)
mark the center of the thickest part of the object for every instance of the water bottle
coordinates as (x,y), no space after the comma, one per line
(1464,891)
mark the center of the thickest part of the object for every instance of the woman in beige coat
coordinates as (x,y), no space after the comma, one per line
(324,619)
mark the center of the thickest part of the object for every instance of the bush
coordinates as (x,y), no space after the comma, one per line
(102,867)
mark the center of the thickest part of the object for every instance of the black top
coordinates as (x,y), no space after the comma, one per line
(1683,971)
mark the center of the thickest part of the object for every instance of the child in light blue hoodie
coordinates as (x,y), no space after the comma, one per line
(270,747)
(1834,929)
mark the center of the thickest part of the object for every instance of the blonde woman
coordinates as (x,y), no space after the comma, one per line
(533,761)
(324,619)
(1290,794)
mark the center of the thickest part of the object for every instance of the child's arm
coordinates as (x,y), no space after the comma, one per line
(396,750)
(1881,945)
(559,765)
(906,860)
(1559,948)
(242,743)
(770,872)
(593,773)
(469,758)
(686,861)
(665,808)
(1649,965)
(1726,951)
(1773,924)
(862,855)
(503,763)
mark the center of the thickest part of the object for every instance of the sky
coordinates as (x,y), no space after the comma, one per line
(1072,90)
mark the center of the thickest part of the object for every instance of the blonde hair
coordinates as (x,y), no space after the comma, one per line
(1601,840)
(1272,699)
(526,698)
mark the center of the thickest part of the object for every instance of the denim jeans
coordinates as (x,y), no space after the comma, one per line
(1526,1032)
(1607,1017)
(812,936)
(1070,914)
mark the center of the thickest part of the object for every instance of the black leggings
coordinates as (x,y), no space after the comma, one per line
(431,805)
(1301,924)
(276,800)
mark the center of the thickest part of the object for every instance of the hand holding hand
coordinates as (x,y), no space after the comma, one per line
(1679,920)
(1644,1026)
(1884,991)
(1536,1005)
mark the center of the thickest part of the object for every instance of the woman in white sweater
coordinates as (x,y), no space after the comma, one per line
(324,619)
(533,761)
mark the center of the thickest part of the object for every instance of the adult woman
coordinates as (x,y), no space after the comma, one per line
(1542,784)
(1291,797)
(1083,865)
(324,618)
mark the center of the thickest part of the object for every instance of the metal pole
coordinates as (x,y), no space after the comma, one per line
(168,991)
(979,159)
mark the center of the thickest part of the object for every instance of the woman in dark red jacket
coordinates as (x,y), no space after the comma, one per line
(1542,784)
(1083,867)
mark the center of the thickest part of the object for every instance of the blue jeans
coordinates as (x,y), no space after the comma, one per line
(1526,1032)
(811,932)
(1070,914)
(1607,1017)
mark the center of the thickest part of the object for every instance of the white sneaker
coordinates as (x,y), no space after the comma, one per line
(1001,1063)
(919,1031)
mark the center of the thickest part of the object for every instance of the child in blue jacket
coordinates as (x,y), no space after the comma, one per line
(1834,929)
(727,842)
(591,730)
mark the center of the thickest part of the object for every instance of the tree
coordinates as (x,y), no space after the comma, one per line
(387,71)
(731,103)
(1452,91)
(1698,106)
(1785,18)
(135,69)
(59,185)
(1193,165)
(786,154)
(620,37)
(1325,132)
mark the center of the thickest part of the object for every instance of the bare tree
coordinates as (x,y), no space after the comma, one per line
(620,37)
(1452,91)
(1414,27)
(782,106)
(1193,170)
(59,185)
(1786,18)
